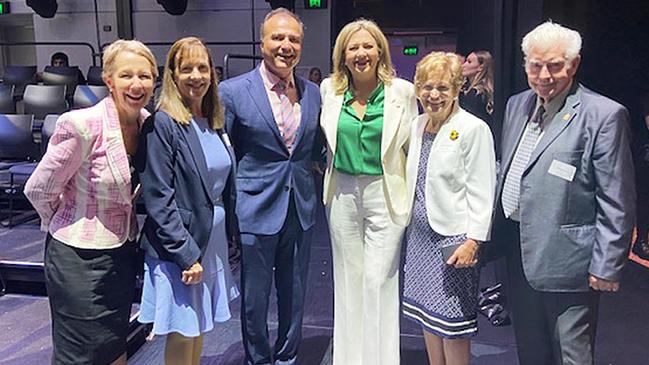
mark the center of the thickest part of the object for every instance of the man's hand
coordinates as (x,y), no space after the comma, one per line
(602,284)
(465,256)
(193,275)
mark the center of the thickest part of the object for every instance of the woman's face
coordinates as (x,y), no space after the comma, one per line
(437,95)
(131,83)
(192,76)
(362,55)
(471,66)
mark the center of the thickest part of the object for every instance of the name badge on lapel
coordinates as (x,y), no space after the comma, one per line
(562,170)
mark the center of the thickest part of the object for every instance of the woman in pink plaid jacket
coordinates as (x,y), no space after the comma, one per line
(83,191)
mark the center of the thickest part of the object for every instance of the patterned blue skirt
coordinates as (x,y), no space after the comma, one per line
(441,298)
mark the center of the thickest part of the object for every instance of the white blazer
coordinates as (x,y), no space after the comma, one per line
(400,108)
(461,175)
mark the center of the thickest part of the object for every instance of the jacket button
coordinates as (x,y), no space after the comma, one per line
(286,188)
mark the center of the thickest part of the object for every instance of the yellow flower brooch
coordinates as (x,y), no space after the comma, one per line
(454,135)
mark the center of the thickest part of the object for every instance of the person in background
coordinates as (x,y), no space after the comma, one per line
(82,190)
(315,75)
(451,176)
(272,116)
(366,116)
(565,201)
(641,160)
(477,96)
(186,167)
(60,59)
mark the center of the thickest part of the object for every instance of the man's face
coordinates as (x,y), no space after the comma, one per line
(58,62)
(549,72)
(281,45)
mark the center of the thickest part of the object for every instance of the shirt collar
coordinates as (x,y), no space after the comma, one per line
(271,80)
(554,105)
(374,95)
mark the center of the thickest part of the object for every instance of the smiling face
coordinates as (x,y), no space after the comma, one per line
(281,45)
(192,76)
(362,55)
(549,72)
(471,66)
(130,83)
(437,96)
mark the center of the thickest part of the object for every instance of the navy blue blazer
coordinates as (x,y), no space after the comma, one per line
(179,204)
(267,173)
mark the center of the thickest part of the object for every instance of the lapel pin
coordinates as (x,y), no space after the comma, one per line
(566,117)
(454,135)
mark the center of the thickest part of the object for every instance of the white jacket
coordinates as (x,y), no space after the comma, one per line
(461,175)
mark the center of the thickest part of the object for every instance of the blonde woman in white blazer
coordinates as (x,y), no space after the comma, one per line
(366,116)
(451,177)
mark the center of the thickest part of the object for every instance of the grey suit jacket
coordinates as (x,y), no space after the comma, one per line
(570,227)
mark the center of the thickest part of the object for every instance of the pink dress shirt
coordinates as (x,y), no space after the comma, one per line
(81,188)
(270,81)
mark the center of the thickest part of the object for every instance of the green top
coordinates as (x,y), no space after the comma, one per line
(358,146)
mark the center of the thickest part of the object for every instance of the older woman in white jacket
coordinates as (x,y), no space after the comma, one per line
(451,180)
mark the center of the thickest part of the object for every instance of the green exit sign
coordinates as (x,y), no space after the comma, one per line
(410,50)
(4,7)
(315,4)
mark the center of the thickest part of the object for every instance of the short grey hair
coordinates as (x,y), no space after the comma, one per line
(548,35)
(281,11)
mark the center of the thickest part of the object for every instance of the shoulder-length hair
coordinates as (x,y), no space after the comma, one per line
(170,99)
(341,76)
(483,81)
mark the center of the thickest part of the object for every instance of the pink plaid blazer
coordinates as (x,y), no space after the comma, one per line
(81,189)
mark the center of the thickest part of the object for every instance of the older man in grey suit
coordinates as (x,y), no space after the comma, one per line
(565,201)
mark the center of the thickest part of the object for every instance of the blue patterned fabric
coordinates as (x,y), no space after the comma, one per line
(192,309)
(441,298)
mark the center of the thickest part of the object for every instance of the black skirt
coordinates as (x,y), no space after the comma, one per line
(91,293)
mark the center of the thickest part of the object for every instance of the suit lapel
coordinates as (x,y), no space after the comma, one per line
(115,149)
(304,110)
(259,97)
(560,121)
(196,150)
(391,117)
(334,105)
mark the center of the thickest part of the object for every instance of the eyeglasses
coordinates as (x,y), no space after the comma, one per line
(535,66)
(443,89)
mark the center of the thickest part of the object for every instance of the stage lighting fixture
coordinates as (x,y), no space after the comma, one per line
(174,7)
(44,8)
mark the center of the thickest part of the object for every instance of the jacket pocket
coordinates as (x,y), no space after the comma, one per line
(582,234)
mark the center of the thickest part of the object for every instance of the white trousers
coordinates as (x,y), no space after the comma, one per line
(366,252)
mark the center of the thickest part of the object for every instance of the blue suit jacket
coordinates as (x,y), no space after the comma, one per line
(179,204)
(267,173)
(577,222)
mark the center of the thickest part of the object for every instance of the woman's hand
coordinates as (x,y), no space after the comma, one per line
(466,255)
(193,275)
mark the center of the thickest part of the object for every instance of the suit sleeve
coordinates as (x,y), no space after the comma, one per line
(155,165)
(615,196)
(64,156)
(480,165)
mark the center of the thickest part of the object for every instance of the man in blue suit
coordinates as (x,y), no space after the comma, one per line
(272,116)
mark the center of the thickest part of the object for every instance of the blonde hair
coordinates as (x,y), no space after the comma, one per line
(170,99)
(442,65)
(122,45)
(483,81)
(341,76)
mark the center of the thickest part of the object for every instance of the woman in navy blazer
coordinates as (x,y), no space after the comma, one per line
(186,167)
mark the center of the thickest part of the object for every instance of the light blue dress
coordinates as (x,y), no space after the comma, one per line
(193,309)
